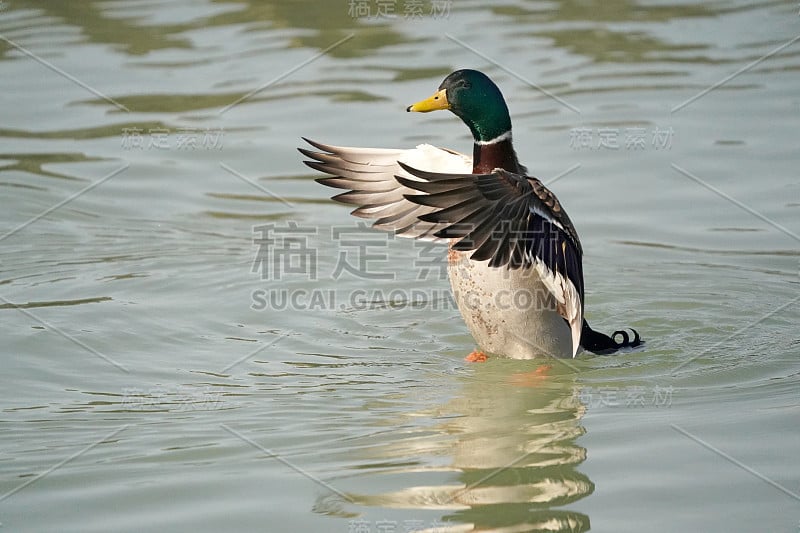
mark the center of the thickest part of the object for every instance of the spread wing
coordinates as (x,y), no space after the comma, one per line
(511,220)
(368,177)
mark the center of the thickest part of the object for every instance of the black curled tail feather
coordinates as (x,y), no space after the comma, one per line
(602,344)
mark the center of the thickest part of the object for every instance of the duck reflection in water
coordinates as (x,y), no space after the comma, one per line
(502,457)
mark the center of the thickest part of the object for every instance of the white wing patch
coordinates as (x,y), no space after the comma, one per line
(539,213)
(369,174)
(432,159)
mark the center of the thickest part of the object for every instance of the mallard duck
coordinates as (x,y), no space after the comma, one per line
(508,234)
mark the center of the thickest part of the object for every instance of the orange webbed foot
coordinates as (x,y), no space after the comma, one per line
(532,379)
(476,356)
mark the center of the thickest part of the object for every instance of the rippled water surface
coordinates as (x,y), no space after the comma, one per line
(157,376)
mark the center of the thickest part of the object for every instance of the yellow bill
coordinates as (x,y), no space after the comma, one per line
(434,103)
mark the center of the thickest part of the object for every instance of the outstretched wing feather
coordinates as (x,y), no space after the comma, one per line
(368,177)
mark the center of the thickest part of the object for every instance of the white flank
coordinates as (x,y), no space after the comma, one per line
(566,294)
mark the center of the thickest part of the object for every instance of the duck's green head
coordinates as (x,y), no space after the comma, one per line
(475,99)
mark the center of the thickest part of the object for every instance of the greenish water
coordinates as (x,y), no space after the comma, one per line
(154,379)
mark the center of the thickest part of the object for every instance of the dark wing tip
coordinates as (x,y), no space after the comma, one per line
(335,182)
(411,184)
(419,199)
(411,170)
(318,145)
(319,166)
(309,153)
